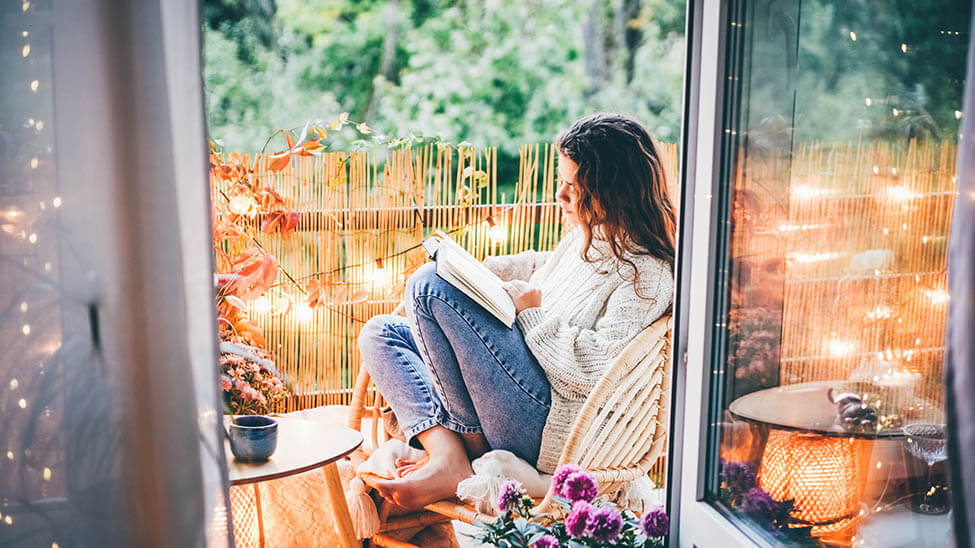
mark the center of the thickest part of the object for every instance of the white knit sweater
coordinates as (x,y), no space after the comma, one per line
(589,312)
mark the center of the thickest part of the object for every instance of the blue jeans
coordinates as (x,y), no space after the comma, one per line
(458,367)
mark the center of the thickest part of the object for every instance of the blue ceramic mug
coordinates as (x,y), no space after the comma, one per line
(253,438)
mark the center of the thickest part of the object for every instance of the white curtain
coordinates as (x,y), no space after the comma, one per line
(109,434)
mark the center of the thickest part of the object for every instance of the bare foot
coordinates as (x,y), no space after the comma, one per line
(405,466)
(428,482)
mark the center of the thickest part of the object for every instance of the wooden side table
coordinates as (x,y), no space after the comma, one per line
(303,445)
(807,457)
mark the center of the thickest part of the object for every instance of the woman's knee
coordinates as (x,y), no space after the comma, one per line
(423,280)
(375,334)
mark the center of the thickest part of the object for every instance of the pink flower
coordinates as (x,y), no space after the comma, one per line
(578,518)
(510,497)
(656,523)
(226,384)
(562,473)
(547,541)
(580,486)
(605,525)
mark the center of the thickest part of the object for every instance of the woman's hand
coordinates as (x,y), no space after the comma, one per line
(523,295)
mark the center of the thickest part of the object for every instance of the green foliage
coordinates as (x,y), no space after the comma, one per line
(500,73)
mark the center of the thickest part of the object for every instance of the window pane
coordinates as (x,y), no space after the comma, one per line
(838,164)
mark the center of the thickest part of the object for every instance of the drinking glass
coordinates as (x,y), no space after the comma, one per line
(928,442)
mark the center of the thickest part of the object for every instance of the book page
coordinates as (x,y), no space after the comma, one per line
(466,273)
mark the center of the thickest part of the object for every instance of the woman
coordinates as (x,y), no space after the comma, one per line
(461,383)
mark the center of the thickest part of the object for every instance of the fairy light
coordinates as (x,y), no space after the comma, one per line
(303,312)
(34,84)
(901,193)
(48,267)
(853,36)
(895,112)
(261,305)
(498,233)
(242,205)
(904,48)
(33,163)
(876,170)
(23,306)
(869,101)
(25,51)
(10,455)
(56,202)
(806,191)
(46,474)
(957,115)
(25,329)
(39,125)
(8,520)
(14,383)
(813,257)
(25,6)
(937,296)
(22,403)
(880,313)
(840,347)
(32,238)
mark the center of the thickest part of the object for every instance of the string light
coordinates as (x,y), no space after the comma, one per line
(56,202)
(895,112)
(901,193)
(840,347)
(39,125)
(34,84)
(33,238)
(48,267)
(876,170)
(957,115)
(25,329)
(25,51)
(25,6)
(813,257)
(14,383)
(869,101)
(46,474)
(904,48)
(33,163)
(10,455)
(22,403)
(853,36)
(303,312)
(937,296)
(8,520)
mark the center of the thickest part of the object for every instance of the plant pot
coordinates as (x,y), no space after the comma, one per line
(253,438)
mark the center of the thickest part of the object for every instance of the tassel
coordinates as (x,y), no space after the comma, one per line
(362,509)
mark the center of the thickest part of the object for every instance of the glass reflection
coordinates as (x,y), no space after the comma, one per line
(838,161)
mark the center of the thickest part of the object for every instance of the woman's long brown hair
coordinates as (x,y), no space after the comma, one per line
(622,188)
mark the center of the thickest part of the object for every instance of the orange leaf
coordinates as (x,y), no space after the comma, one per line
(271,221)
(291,140)
(279,163)
(290,222)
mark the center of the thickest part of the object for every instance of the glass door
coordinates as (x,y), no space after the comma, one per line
(821,140)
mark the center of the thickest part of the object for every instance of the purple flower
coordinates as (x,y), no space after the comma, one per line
(758,501)
(562,473)
(738,477)
(580,486)
(578,518)
(656,523)
(511,493)
(548,541)
(605,525)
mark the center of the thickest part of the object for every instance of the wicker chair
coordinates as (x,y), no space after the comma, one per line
(618,435)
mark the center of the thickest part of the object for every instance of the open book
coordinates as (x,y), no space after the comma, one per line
(461,270)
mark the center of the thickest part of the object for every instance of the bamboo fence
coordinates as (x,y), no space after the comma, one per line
(854,239)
